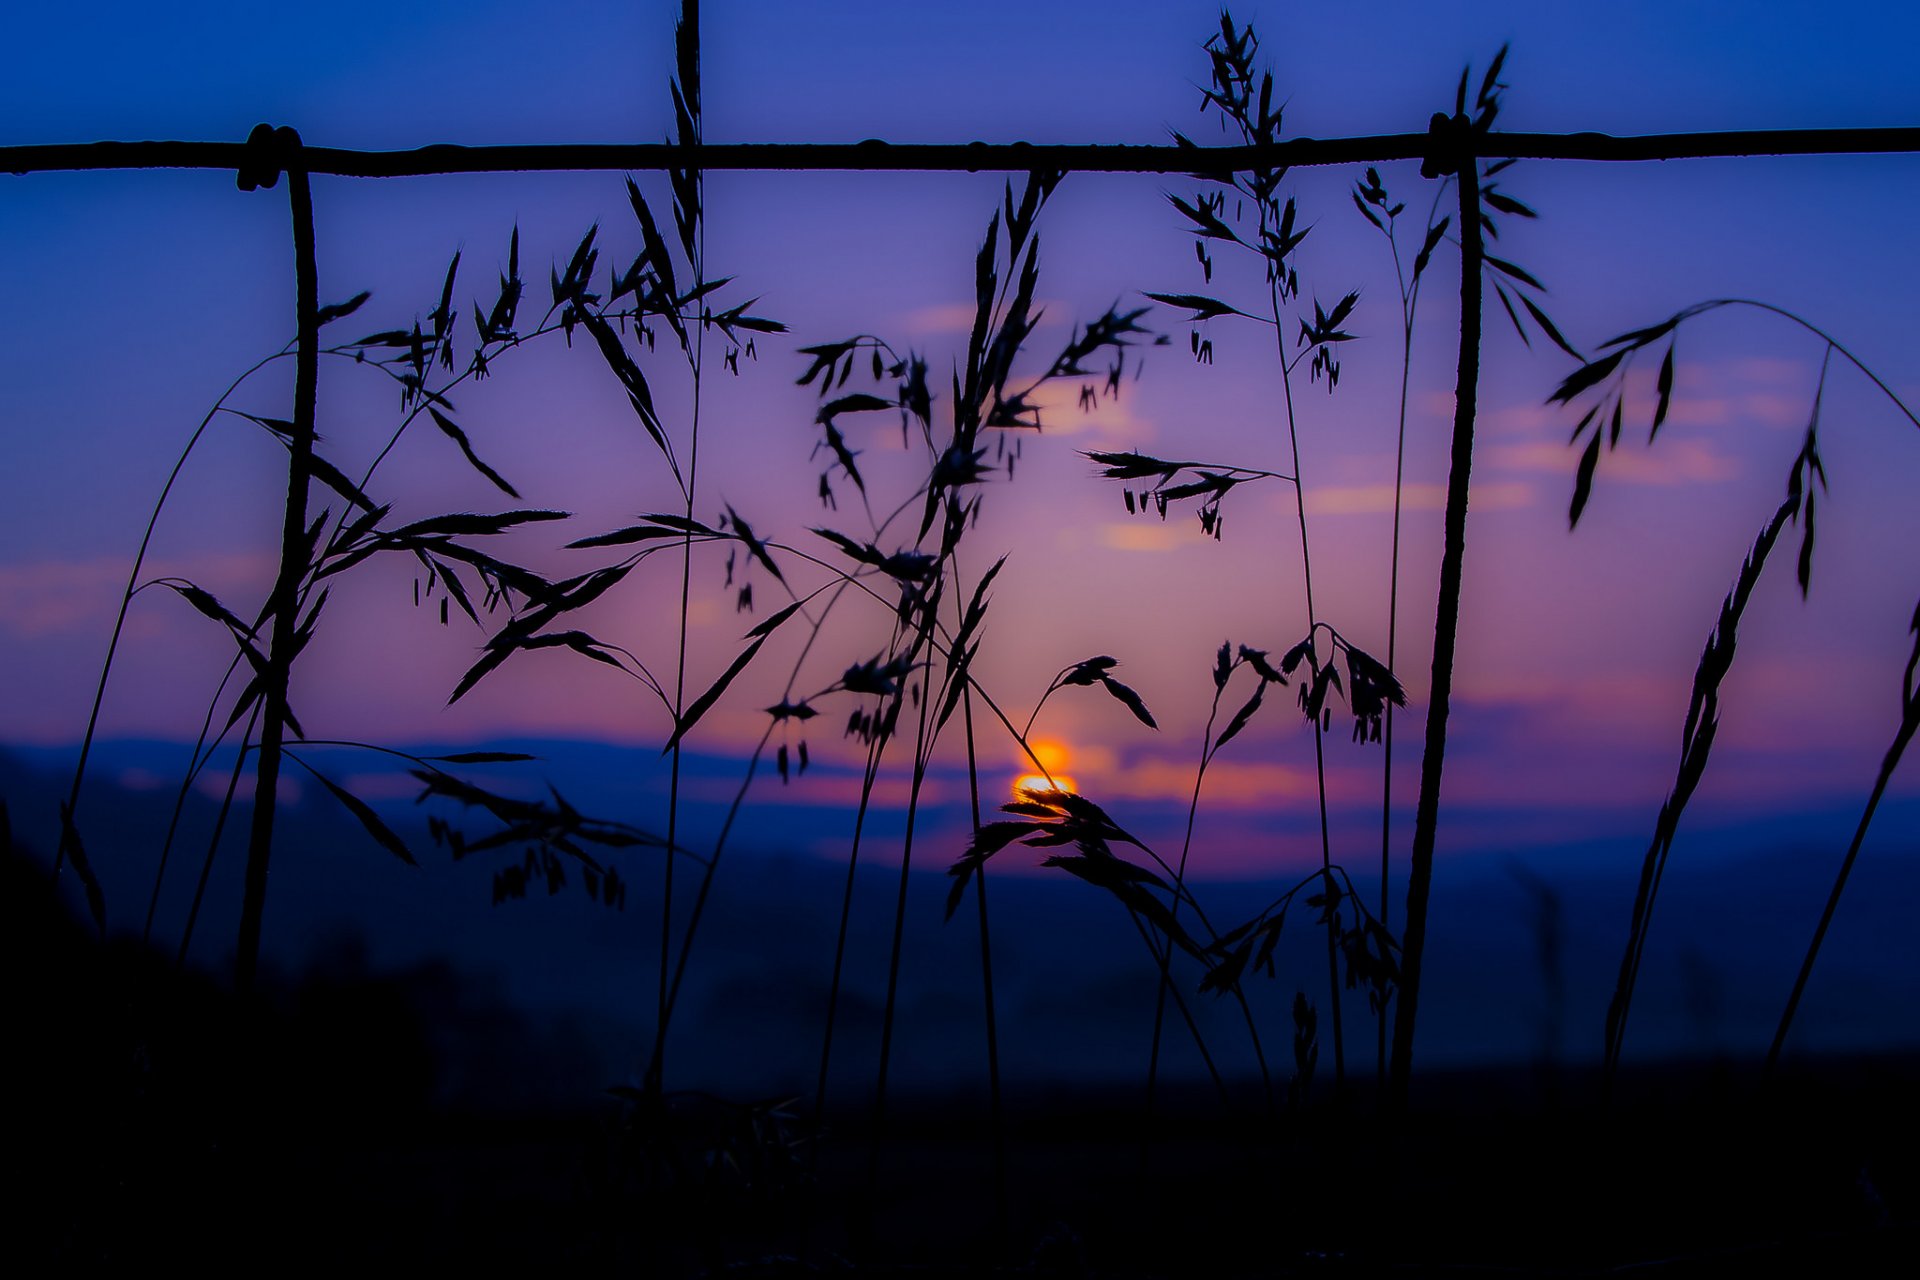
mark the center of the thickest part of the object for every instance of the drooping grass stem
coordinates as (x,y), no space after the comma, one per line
(126,602)
(1207,749)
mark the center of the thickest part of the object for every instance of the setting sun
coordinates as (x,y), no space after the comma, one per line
(1052,756)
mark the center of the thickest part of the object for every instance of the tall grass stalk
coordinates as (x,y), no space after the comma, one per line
(687,97)
(1603,378)
(1465,165)
(1371,198)
(922,760)
(1319,730)
(923,575)
(1453,153)
(995,1116)
(868,778)
(1246,105)
(295,550)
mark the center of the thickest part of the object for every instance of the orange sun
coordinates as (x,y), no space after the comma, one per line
(1054,757)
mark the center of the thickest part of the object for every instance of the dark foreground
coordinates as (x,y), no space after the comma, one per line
(154,1119)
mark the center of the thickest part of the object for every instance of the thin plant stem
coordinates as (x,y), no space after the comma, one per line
(1909,723)
(876,749)
(1166,958)
(874,752)
(1393,625)
(1277,289)
(1319,737)
(996,1113)
(132,588)
(922,759)
(1698,743)
(1836,346)
(213,841)
(1445,630)
(201,752)
(1409,304)
(1166,980)
(656,1066)
(293,566)
(689,13)
(1186,1013)
(1180,894)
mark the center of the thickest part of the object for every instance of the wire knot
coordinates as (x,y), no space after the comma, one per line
(1449,140)
(266,148)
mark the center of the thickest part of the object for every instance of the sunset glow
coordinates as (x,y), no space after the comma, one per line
(1036,782)
(1053,756)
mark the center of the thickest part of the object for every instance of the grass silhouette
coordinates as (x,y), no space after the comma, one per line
(905,560)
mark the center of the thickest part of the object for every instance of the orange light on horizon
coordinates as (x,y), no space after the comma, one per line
(1053,756)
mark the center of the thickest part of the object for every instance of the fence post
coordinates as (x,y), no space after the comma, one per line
(268,149)
(1452,142)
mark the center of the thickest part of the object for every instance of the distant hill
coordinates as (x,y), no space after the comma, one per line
(574,983)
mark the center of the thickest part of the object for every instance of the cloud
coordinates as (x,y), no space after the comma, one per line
(1111,418)
(50,597)
(942,317)
(1776,408)
(1151,535)
(1777,370)
(47,597)
(1374,499)
(837,791)
(1669,463)
(1707,393)
(1229,783)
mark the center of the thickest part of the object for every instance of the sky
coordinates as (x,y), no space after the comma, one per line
(129,301)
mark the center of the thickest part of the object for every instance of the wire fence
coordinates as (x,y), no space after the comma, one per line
(878,156)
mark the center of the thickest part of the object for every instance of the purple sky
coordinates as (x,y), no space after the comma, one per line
(129,301)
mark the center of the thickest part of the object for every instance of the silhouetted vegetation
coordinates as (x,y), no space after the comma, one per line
(174,1115)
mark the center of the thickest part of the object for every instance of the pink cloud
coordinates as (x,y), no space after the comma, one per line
(1678,462)
(1111,418)
(1151,536)
(941,318)
(1377,499)
(891,791)
(50,597)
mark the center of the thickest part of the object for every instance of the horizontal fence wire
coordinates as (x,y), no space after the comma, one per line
(878,156)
